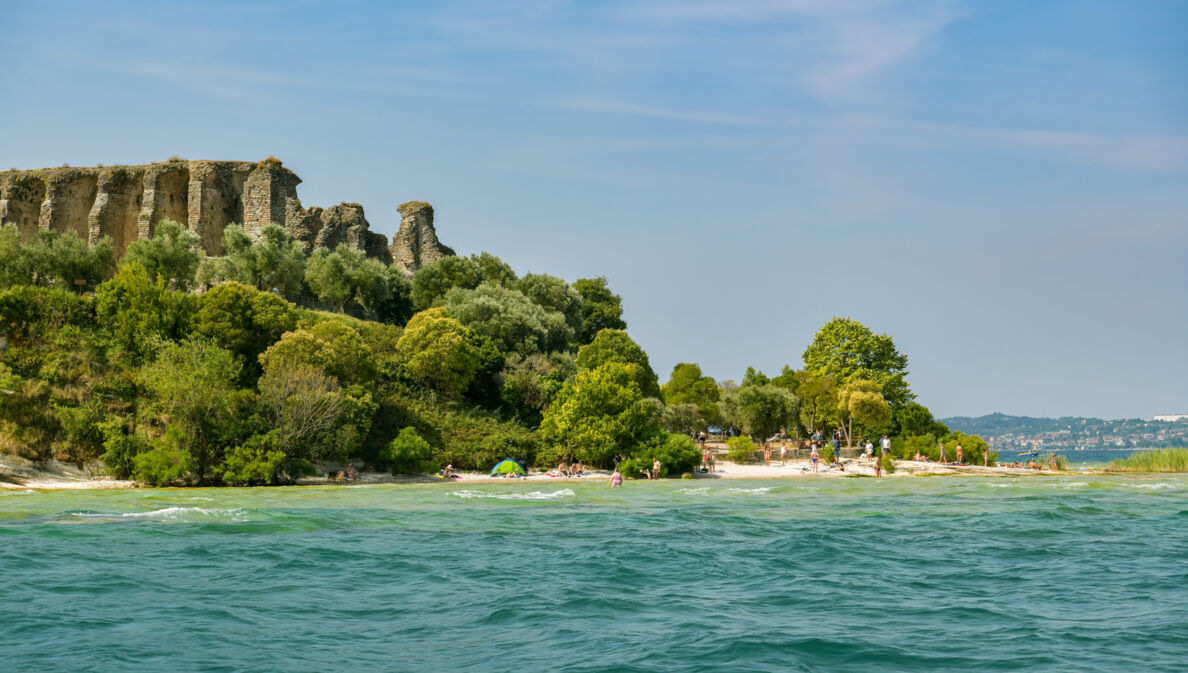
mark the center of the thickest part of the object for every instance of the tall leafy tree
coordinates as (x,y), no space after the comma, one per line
(861,401)
(553,294)
(763,409)
(140,312)
(687,385)
(192,386)
(600,413)
(601,308)
(848,350)
(172,253)
(435,279)
(612,345)
(243,320)
(438,351)
(345,275)
(513,322)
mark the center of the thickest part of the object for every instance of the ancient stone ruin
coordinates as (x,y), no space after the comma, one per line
(126,203)
(416,244)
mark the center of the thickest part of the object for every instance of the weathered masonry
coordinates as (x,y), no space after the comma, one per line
(125,203)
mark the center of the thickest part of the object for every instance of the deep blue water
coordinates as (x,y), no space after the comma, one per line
(1069,573)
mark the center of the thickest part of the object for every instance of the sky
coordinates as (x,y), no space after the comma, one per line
(1001,186)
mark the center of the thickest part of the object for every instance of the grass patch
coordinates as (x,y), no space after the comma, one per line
(1165,460)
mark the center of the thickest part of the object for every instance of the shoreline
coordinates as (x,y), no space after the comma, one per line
(58,477)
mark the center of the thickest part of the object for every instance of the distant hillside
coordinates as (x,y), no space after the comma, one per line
(1071,432)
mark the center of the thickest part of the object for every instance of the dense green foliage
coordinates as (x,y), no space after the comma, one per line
(178,368)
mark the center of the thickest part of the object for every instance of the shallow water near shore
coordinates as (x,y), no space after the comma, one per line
(1069,573)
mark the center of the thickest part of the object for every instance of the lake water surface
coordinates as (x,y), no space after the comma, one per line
(1069,573)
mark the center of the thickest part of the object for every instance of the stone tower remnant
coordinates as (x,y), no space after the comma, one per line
(416,244)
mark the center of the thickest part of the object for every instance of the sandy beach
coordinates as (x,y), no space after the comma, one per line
(16,473)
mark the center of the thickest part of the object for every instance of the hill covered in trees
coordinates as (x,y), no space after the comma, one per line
(1074,432)
(261,364)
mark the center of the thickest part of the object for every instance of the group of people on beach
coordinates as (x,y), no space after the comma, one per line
(575,469)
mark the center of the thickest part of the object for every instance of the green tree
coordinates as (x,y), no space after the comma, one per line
(53,259)
(601,308)
(848,350)
(171,253)
(683,418)
(304,407)
(612,345)
(764,409)
(438,277)
(509,319)
(555,295)
(331,346)
(861,401)
(409,453)
(243,320)
(528,383)
(600,413)
(140,312)
(438,352)
(687,385)
(754,377)
(191,387)
(495,270)
(817,399)
(344,275)
(914,418)
(275,261)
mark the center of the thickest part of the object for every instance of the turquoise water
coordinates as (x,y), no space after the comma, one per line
(1070,573)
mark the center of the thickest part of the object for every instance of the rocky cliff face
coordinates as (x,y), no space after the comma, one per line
(126,203)
(416,244)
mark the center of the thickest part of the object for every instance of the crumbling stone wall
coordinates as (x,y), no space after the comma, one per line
(416,244)
(126,202)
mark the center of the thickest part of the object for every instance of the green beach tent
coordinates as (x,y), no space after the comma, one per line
(506,467)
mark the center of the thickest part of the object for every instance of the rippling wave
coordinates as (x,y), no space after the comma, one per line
(1037,574)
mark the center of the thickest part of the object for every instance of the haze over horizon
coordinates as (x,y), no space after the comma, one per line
(1002,187)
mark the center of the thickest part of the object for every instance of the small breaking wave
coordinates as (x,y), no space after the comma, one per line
(174,514)
(1156,486)
(534,495)
(25,491)
(733,490)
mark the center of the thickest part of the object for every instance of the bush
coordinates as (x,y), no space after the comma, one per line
(164,463)
(827,454)
(888,464)
(409,453)
(255,462)
(742,449)
(120,448)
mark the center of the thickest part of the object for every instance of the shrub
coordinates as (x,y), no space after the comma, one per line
(742,449)
(888,464)
(120,448)
(676,453)
(827,454)
(255,462)
(164,463)
(408,453)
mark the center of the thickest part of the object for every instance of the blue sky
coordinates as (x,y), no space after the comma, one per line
(1002,186)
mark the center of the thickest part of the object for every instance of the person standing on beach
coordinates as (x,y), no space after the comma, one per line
(655,468)
(766,455)
(959,459)
(885,445)
(814,457)
(942,453)
(616,478)
(879,469)
(783,453)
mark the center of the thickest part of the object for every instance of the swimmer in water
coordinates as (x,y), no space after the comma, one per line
(616,478)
